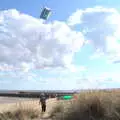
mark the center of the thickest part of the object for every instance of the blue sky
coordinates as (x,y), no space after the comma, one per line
(88,60)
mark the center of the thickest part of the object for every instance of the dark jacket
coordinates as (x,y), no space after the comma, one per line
(43,99)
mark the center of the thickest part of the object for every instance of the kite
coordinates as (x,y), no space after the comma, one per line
(45,13)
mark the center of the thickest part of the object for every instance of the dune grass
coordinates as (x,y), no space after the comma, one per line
(27,110)
(90,105)
(20,114)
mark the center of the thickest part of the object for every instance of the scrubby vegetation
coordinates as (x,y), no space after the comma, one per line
(19,114)
(90,105)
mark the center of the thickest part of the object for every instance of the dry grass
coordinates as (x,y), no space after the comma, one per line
(25,110)
(20,114)
(91,105)
(20,111)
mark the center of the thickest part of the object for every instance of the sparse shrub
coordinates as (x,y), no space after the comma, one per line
(58,109)
(20,114)
(92,105)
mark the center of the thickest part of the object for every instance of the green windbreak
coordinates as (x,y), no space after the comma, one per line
(67,97)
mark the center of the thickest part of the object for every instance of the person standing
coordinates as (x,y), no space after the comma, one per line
(43,102)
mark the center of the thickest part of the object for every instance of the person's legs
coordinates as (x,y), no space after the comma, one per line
(43,108)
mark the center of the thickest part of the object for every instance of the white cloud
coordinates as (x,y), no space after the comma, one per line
(75,18)
(96,55)
(29,43)
(101,27)
(41,81)
(26,42)
(98,81)
(71,71)
(13,76)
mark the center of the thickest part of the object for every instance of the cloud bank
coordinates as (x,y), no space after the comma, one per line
(101,27)
(29,43)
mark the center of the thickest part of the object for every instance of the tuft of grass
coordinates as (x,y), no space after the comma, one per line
(19,114)
(21,111)
(91,105)
(58,109)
